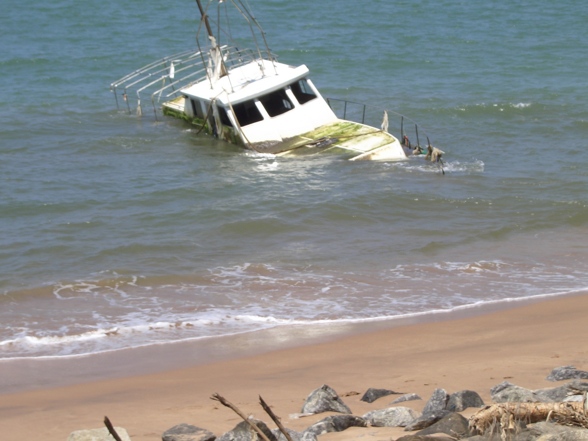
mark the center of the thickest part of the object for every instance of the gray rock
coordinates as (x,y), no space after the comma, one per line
(336,423)
(521,436)
(509,393)
(453,425)
(438,401)
(555,432)
(391,417)
(243,432)
(424,438)
(324,399)
(488,437)
(426,420)
(500,387)
(296,436)
(101,434)
(308,436)
(372,394)
(560,393)
(461,400)
(187,432)
(525,435)
(567,373)
(406,397)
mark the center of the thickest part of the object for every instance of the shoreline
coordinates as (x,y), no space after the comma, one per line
(521,344)
(24,374)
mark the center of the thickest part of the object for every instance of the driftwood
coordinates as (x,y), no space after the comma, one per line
(506,415)
(111,430)
(224,402)
(274,418)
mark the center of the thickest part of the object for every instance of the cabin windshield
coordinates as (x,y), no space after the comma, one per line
(302,91)
(247,113)
(276,103)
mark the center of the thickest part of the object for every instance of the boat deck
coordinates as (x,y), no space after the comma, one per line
(347,138)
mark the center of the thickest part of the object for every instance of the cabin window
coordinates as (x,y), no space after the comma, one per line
(276,103)
(197,108)
(302,91)
(247,113)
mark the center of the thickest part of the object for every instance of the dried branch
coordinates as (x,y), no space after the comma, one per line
(226,403)
(111,430)
(567,413)
(275,418)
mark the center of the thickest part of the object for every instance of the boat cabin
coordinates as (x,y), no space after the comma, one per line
(266,102)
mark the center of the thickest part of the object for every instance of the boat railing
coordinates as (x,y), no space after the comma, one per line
(162,80)
(377,117)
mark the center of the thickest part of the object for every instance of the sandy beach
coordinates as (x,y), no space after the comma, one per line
(521,345)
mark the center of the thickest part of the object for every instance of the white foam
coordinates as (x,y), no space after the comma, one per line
(250,297)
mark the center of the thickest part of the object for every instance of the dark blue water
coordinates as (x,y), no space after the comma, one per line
(118,231)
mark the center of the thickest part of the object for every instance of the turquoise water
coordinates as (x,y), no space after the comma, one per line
(118,231)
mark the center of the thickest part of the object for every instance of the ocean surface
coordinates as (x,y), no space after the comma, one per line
(118,231)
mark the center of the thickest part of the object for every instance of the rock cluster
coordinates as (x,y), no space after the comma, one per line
(440,419)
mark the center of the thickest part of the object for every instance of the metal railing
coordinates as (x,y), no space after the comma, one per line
(376,117)
(162,80)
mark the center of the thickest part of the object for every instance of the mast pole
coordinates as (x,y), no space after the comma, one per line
(205,18)
(220,70)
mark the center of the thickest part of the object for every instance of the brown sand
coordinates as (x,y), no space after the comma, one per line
(521,345)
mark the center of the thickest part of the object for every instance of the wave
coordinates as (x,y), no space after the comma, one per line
(118,312)
(76,343)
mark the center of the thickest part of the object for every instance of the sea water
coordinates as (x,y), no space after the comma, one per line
(118,231)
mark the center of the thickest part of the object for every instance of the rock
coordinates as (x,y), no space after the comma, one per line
(187,432)
(406,397)
(560,393)
(507,392)
(500,387)
(522,436)
(391,417)
(461,400)
(489,437)
(296,436)
(549,395)
(324,399)
(555,432)
(453,425)
(372,394)
(101,434)
(243,432)
(336,423)
(438,401)
(525,435)
(567,373)
(307,436)
(424,438)
(426,420)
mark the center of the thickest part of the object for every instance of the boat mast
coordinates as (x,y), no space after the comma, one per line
(220,69)
(206,22)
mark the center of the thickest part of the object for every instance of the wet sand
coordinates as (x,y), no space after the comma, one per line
(521,345)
